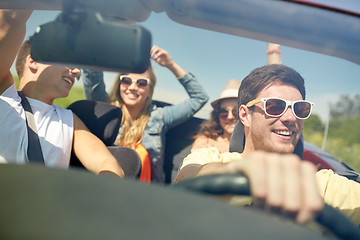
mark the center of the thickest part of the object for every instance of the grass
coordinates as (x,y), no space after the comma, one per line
(75,94)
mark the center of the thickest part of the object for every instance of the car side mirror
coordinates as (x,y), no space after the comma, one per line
(87,40)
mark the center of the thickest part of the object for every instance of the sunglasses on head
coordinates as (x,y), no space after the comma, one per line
(127,81)
(224,113)
(275,107)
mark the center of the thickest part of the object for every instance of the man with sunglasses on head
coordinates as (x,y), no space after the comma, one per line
(272,110)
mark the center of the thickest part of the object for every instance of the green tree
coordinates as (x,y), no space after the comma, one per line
(345,107)
(347,129)
(343,140)
(313,125)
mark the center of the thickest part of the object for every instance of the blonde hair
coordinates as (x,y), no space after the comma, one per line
(132,131)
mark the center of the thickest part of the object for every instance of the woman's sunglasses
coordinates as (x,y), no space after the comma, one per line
(127,81)
(224,113)
(275,107)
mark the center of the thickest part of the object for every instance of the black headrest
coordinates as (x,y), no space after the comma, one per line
(237,141)
(104,121)
(128,159)
(100,118)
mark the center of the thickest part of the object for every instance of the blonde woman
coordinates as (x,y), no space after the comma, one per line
(144,125)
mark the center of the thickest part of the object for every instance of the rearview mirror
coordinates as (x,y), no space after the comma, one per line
(87,40)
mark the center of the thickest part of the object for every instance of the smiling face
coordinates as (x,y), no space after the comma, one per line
(46,82)
(134,96)
(58,80)
(273,134)
(228,122)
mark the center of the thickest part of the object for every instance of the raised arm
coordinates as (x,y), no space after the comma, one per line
(180,112)
(12,32)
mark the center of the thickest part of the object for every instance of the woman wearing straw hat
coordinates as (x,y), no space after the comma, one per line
(216,132)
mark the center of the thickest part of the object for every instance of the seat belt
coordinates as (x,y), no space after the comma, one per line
(34,151)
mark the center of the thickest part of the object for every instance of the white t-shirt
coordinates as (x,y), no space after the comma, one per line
(55,127)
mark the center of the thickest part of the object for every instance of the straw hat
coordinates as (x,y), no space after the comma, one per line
(230,90)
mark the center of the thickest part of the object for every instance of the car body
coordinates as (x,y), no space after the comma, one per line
(323,159)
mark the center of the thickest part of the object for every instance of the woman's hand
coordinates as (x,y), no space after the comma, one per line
(163,58)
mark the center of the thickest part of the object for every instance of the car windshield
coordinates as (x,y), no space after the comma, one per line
(332,83)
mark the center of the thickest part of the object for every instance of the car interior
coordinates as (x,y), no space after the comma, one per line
(205,14)
(120,207)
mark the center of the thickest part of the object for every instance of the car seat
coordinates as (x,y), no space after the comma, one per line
(104,121)
(178,145)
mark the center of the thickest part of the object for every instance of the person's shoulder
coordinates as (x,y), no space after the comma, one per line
(201,156)
(63,112)
(324,172)
(230,156)
(208,150)
(326,175)
(202,137)
(214,155)
(57,107)
(201,141)
(10,92)
(156,112)
(326,179)
(10,102)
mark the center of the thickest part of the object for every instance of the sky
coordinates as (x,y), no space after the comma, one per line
(214,58)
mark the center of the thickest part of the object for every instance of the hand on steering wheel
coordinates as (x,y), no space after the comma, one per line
(238,184)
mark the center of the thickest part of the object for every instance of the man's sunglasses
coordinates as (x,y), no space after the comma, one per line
(275,107)
(224,113)
(127,81)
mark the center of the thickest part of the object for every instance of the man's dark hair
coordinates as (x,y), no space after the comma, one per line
(262,77)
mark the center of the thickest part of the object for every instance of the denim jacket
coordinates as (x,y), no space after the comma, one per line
(161,118)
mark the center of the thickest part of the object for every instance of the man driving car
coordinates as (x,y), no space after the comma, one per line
(272,110)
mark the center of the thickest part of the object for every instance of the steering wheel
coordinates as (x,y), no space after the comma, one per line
(238,184)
